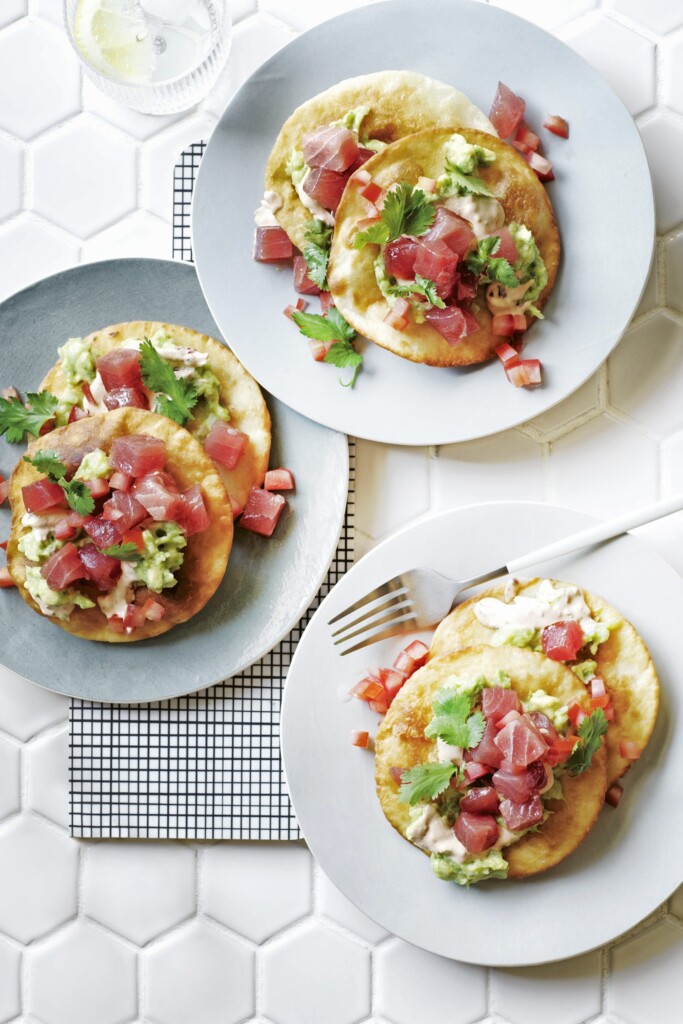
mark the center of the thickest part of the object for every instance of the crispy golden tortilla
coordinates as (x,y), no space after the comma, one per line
(623,661)
(206,554)
(238,390)
(401,743)
(351,274)
(401,102)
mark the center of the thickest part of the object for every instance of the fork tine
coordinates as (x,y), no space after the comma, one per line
(392,602)
(406,625)
(394,615)
(384,590)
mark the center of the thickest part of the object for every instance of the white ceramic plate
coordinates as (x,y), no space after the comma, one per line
(630,862)
(601,173)
(269,583)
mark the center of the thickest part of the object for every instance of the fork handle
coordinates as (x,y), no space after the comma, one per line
(599,532)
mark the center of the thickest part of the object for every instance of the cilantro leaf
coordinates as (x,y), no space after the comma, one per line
(317,259)
(468,183)
(454,722)
(47,462)
(425,781)
(16,419)
(344,354)
(591,731)
(78,496)
(484,261)
(406,211)
(318,233)
(332,327)
(124,552)
(420,286)
(175,396)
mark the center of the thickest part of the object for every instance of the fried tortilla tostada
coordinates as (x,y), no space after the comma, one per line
(505,818)
(376,109)
(225,392)
(121,526)
(462,252)
(609,648)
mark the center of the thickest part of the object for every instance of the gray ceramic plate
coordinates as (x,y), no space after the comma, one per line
(601,173)
(269,583)
(598,892)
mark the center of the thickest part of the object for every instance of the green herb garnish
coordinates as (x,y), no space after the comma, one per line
(591,731)
(484,261)
(332,327)
(425,781)
(76,493)
(16,419)
(468,183)
(175,396)
(406,211)
(454,722)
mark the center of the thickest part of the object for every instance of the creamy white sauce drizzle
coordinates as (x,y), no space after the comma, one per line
(500,299)
(116,601)
(447,752)
(483,213)
(173,353)
(42,526)
(326,216)
(58,611)
(431,832)
(549,604)
(98,391)
(264,215)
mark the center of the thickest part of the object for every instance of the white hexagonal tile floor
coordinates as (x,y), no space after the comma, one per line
(40,81)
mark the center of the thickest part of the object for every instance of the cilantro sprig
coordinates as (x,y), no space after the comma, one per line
(468,184)
(332,327)
(454,722)
(425,781)
(590,732)
(485,261)
(420,286)
(17,418)
(406,211)
(128,552)
(318,233)
(317,252)
(76,493)
(176,397)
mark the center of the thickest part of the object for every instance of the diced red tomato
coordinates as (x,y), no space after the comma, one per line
(576,713)
(298,307)
(225,445)
(480,800)
(609,713)
(397,317)
(436,261)
(417,651)
(98,488)
(562,641)
(6,580)
(372,192)
(262,511)
(361,178)
(42,495)
(539,164)
(326,302)
(194,517)
(68,527)
(630,750)
(3,544)
(76,413)
(158,494)
(507,354)
(4,491)
(330,147)
(449,322)
(360,739)
(63,567)
(319,349)
(557,125)
(326,187)
(134,536)
(279,480)
(525,374)
(504,325)
(399,258)
(121,398)
(137,454)
(597,685)
(380,706)
(103,532)
(120,368)
(47,427)
(119,481)
(272,244)
(521,147)
(134,617)
(302,282)
(507,111)
(393,681)
(153,610)
(525,137)
(101,569)
(519,816)
(125,510)
(498,703)
(455,231)
(475,770)
(614,795)
(560,750)
(476,832)
(367,689)
(598,702)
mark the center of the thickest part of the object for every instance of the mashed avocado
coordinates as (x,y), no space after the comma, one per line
(490,865)
(585,670)
(596,636)
(59,603)
(78,362)
(163,554)
(36,548)
(465,157)
(94,466)
(352,119)
(550,706)
(522,637)
(295,167)
(529,265)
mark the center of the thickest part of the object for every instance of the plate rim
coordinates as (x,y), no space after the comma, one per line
(340,438)
(378,436)
(417,525)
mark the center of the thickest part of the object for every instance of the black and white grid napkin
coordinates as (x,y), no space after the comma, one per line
(205,766)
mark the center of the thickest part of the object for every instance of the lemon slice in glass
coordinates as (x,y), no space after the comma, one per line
(113,37)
